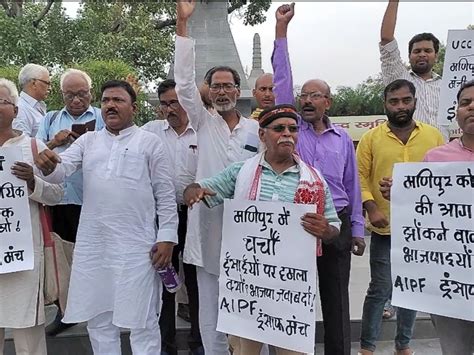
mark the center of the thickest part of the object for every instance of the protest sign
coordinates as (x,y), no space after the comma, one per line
(267,282)
(458,69)
(432,230)
(16,240)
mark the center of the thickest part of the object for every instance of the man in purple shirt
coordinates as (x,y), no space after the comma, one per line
(330,150)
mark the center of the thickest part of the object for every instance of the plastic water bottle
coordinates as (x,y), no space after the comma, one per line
(170,278)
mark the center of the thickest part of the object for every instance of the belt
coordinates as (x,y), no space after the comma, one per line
(182,208)
(344,210)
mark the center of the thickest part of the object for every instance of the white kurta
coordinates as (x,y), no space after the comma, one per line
(127,183)
(218,147)
(21,293)
(182,151)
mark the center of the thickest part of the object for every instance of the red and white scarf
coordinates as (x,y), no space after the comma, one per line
(310,188)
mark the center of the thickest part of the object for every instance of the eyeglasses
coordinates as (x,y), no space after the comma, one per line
(279,128)
(6,102)
(313,95)
(228,87)
(69,96)
(174,104)
(48,83)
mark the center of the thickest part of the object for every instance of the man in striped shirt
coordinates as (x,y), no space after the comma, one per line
(280,176)
(423,52)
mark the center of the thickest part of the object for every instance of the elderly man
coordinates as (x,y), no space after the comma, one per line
(224,137)
(58,130)
(35,85)
(330,150)
(21,292)
(423,51)
(180,141)
(127,185)
(456,336)
(400,139)
(263,94)
(281,174)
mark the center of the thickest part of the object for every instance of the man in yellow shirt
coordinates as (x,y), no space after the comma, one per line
(400,139)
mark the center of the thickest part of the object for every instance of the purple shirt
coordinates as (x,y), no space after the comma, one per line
(331,152)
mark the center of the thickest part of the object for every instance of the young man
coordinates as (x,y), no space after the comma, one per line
(400,139)
(330,150)
(180,142)
(423,51)
(127,186)
(455,335)
(224,137)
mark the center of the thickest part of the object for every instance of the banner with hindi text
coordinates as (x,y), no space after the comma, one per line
(432,230)
(16,240)
(267,282)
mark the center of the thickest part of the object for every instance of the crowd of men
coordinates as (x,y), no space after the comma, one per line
(122,193)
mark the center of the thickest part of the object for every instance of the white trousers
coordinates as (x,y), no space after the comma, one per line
(28,341)
(105,337)
(214,342)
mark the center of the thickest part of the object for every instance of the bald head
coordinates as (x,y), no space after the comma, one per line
(315,100)
(321,85)
(263,91)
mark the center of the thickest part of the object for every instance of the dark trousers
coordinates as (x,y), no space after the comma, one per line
(168,309)
(334,268)
(65,220)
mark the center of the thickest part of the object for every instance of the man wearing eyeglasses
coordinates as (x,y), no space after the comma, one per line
(280,176)
(223,137)
(35,85)
(58,130)
(330,150)
(179,139)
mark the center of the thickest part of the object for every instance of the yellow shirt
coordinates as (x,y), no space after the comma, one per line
(379,149)
(256,113)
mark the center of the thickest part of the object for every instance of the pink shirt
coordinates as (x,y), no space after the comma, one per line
(452,151)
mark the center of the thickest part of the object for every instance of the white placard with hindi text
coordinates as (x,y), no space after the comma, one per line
(16,240)
(267,282)
(432,226)
(458,69)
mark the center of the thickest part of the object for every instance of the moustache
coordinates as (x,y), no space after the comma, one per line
(286,140)
(111,110)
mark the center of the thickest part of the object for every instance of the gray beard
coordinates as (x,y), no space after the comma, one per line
(224,108)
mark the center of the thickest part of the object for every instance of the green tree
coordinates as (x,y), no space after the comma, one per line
(138,33)
(365,99)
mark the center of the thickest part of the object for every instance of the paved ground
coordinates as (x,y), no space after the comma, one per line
(358,286)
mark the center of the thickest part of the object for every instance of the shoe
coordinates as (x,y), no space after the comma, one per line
(198,351)
(183,312)
(57,327)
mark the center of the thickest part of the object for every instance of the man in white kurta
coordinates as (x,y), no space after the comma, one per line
(21,292)
(127,185)
(223,138)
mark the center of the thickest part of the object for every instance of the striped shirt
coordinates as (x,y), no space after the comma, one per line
(427,91)
(274,187)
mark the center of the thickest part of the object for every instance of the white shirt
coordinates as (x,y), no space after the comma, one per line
(427,91)
(182,151)
(30,114)
(218,147)
(127,183)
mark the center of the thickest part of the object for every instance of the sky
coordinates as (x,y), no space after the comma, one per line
(338,41)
